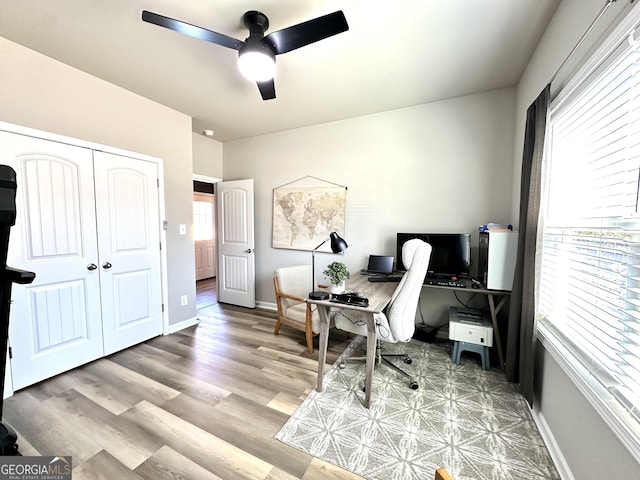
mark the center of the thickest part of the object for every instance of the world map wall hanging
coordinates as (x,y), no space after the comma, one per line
(304,215)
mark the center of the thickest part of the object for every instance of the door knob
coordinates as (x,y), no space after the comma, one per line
(92,266)
(248,250)
(106,265)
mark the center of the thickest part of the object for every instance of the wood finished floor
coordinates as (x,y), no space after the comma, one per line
(202,403)
(206,293)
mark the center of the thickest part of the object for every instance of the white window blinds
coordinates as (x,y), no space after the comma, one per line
(589,289)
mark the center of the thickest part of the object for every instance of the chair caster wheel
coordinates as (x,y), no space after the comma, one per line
(342,365)
(408,360)
(414,385)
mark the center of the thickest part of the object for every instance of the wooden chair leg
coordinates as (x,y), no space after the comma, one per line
(278,325)
(309,335)
(443,474)
(308,329)
(279,321)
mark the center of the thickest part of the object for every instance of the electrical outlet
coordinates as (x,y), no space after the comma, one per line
(183,300)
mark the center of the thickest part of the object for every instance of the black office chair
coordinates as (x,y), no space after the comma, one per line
(8,276)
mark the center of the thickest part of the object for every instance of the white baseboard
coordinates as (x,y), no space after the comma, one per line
(267,306)
(554,449)
(182,325)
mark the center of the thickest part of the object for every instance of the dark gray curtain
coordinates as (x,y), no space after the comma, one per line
(521,335)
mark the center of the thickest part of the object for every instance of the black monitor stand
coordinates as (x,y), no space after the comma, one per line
(8,276)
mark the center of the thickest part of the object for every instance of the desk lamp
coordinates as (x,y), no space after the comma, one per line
(338,245)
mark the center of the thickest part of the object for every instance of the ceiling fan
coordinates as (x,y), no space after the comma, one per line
(256,54)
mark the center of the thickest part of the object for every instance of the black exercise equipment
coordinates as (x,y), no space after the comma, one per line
(8,276)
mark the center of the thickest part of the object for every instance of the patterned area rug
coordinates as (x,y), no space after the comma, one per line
(471,421)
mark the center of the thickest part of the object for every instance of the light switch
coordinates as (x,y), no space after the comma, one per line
(183,229)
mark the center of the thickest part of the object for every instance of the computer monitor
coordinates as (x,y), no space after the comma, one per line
(450,254)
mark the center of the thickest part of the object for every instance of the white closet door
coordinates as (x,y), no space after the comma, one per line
(129,249)
(55,321)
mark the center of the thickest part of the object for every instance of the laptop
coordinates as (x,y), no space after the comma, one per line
(379,265)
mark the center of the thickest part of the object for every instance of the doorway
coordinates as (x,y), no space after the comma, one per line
(204,228)
(204,235)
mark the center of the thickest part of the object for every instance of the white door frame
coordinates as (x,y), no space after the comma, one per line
(11,128)
(204,178)
(212,180)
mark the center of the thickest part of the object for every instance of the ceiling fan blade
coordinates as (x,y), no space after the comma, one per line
(296,36)
(192,30)
(267,89)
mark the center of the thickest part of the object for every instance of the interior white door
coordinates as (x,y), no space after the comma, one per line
(128,225)
(55,321)
(205,259)
(236,261)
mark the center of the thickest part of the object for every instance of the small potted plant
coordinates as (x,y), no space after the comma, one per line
(337,273)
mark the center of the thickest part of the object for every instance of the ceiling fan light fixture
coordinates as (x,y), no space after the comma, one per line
(257,53)
(257,62)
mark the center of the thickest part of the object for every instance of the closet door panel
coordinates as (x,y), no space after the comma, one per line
(56,320)
(129,249)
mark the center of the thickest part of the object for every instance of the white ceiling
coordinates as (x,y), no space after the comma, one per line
(396,53)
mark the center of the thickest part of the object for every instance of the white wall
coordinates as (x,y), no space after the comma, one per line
(39,92)
(207,156)
(439,167)
(587,448)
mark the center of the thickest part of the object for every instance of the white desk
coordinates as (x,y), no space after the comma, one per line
(379,295)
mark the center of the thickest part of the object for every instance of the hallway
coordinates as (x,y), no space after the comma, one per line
(206,294)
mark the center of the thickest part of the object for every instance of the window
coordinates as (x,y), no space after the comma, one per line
(589,291)
(202,218)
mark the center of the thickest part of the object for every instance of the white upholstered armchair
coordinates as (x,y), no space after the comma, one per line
(397,322)
(293,285)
